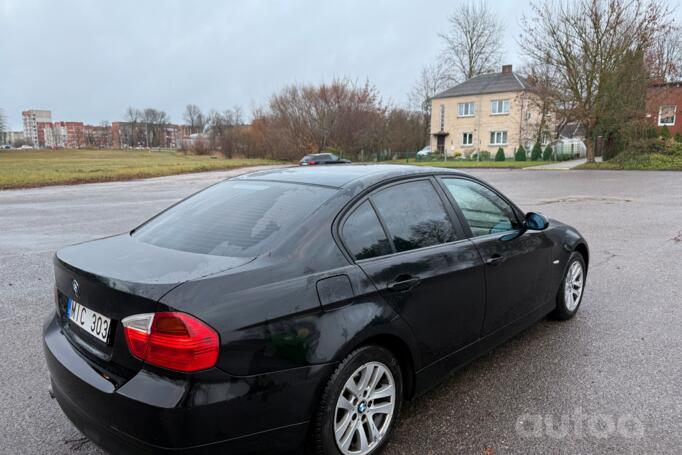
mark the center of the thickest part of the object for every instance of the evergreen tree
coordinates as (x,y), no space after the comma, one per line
(499,156)
(536,153)
(547,154)
(520,154)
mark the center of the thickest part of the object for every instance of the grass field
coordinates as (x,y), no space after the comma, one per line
(508,164)
(33,168)
(645,162)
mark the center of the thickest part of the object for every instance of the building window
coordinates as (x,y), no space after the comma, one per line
(442,117)
(498,107)
(467,138)
(498,138)
(466,109)
(666,115)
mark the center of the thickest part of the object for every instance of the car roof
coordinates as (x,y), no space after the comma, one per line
(342,175)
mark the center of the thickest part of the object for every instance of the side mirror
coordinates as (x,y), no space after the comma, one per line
(536,221)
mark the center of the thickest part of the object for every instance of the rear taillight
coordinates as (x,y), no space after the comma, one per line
(312,162)
(176,341)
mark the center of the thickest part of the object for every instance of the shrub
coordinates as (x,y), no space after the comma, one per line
(499,156)
(651,132)
(485,156)
(547,154)
(678,137)
(520,154)
(665,133)
(536,153)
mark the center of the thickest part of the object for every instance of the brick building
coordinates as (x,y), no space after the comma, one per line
(98,136)
(61,134)
(662,101)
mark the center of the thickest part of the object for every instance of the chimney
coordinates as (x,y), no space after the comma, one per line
(506,69)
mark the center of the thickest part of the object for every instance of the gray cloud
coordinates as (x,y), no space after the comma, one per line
(88,60)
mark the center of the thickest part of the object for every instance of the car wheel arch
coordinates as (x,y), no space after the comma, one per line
(582,249)
(398,347)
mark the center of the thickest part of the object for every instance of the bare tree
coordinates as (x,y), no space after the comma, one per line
(194,118)
(431,81)
(546,100)
(664,56)
(587,41)
(132,118)
(473,42)
(3,123)
(155,122)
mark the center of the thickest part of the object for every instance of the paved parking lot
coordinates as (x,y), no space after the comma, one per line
(608,381)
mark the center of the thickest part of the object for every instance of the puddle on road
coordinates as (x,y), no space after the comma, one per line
(579,199)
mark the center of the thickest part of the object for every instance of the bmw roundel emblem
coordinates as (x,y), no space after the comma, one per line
(76,287)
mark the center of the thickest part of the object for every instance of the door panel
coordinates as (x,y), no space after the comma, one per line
(446,306)
(517,262)
(432,276)
(518,272)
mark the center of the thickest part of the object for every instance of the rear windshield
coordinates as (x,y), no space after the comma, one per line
(234,218)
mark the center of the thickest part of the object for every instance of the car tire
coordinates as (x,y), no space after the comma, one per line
(350,413)
(572,288)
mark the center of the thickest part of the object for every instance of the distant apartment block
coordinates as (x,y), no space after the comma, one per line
(42,132)
(129,135)
(97,136)
(61,134)
(10,137)
(31,118)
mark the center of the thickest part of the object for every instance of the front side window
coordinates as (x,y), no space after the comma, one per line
(234,218)
(499,107)
(498,138)
(666,115)
(466,109)
(467,138)
(485,211)
(363,235)
(414,215)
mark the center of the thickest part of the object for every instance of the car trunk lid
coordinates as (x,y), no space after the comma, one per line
(117,277)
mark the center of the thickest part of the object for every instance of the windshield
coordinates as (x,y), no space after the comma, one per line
(234,218)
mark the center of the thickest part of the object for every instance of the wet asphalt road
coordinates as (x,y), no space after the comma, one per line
(608,381)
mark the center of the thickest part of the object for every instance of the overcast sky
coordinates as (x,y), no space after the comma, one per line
(90,60)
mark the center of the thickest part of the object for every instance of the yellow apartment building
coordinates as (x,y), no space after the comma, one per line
(485,113)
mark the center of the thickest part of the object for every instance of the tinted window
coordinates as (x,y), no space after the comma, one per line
(363,234)
(486,212)
(234,218)
(414,215)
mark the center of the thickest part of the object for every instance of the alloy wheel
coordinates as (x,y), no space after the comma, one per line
(364,409)
(573,286)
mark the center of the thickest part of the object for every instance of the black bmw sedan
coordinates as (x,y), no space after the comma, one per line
(296,309)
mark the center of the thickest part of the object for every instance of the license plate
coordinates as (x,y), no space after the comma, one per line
(91,321)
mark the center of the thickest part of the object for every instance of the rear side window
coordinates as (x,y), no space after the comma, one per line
(363,234)
(485,211)
(414,215)
(234,218)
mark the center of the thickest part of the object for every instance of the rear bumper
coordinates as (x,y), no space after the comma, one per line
(216,413)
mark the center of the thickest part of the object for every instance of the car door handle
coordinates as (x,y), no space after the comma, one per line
(403,285)
(495,259)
